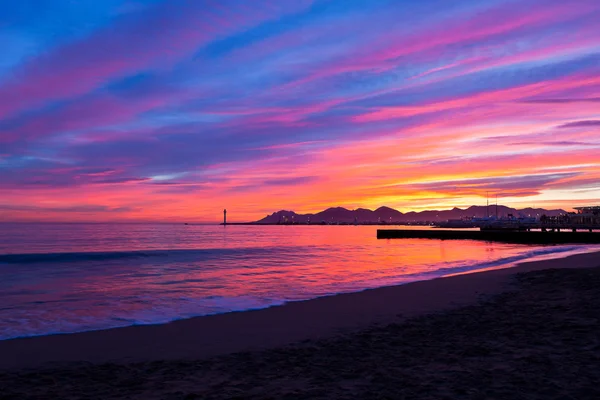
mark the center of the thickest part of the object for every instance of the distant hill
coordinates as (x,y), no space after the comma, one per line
(389,215)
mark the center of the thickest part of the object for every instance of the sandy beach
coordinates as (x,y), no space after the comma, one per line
(525,332)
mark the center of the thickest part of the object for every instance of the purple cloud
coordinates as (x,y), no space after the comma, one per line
(563,101)
(581,124)
(155,38)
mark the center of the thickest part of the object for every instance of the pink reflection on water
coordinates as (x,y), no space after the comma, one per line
(141,274)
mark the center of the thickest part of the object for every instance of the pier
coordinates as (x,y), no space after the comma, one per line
(517,237)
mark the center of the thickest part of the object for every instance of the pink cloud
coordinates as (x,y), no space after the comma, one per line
(485,98)
(76,68)
(428,43)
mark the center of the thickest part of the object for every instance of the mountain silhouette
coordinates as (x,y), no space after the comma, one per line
(390,215)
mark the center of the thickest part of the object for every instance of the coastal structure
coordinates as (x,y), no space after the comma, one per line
(586,218)
(586,215)
(580,227)
(225,217)
(503,236)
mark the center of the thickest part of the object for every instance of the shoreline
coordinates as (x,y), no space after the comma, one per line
(324,317)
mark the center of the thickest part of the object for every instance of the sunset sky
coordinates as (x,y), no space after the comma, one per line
(172,110)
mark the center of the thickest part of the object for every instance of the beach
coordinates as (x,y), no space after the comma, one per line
(523,332)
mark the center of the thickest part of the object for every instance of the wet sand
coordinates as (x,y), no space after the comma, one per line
(524,332)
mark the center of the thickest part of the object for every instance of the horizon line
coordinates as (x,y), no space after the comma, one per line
(219,221)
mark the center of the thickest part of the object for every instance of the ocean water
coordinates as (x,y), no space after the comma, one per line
(60,278)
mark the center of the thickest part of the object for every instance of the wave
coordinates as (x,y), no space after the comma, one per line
(188,308)
(176,255)
(73,257)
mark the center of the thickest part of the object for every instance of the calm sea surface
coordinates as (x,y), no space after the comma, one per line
(58,278)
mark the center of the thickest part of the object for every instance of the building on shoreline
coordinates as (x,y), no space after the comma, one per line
(586,215)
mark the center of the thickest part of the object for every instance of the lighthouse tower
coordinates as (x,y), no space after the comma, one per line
(225,217)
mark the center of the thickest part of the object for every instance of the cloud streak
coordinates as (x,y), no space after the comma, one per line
(581,124)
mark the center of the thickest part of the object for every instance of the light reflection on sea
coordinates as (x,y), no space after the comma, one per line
(58,278)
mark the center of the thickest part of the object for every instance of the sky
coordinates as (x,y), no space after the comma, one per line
(172,110)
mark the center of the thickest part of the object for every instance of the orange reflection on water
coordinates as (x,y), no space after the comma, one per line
(117,275)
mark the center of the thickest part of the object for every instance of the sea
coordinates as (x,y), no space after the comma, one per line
(63,278)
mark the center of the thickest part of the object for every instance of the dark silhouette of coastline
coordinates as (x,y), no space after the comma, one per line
(390,216)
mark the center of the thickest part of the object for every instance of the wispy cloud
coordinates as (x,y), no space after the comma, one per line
(581,124)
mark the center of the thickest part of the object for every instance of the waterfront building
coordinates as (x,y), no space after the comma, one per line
(586,215)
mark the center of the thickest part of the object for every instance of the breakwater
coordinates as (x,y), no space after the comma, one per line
(518,237)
